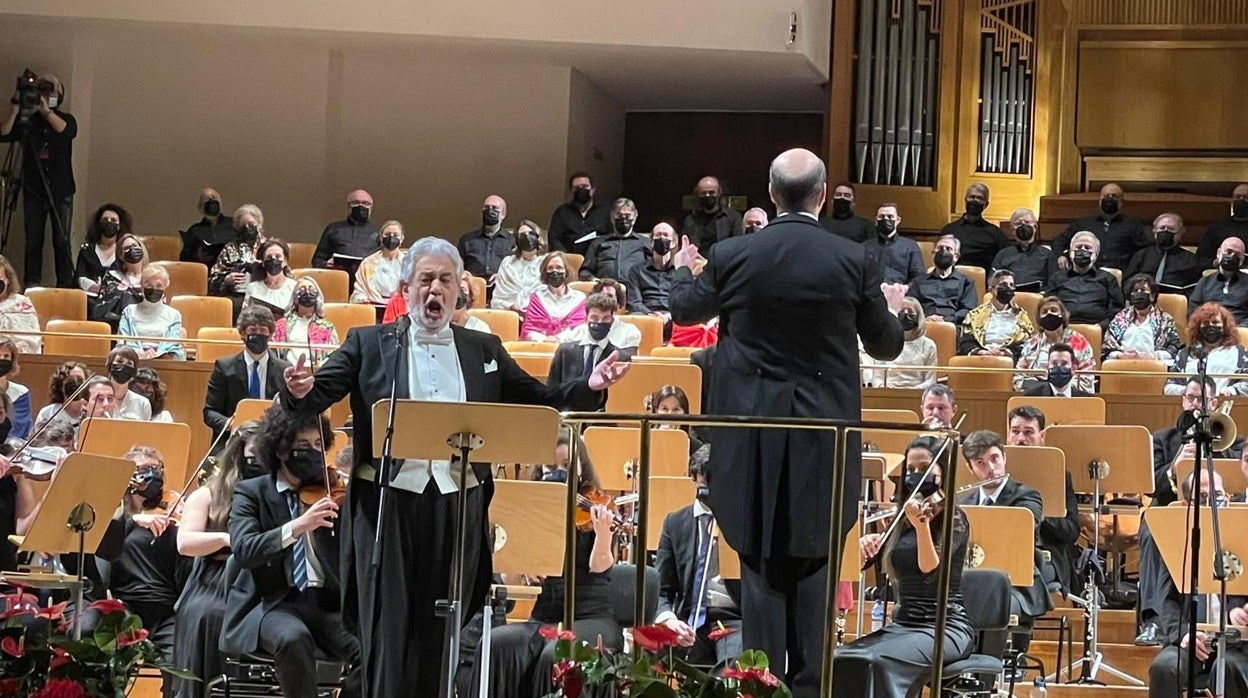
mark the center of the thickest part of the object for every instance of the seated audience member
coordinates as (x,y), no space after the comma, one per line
(710,221)
(18,394)
(1092,295)
(998,327)
(17,313)
(6,406)
(286,598)
(396,307)
(101,404)
(625,337)
(1228,286)
(64,382)
(97,254)
(150,574)
(1031,262)
(1234,226)
(672,399)
(918,350)
(345,243)
(898,256)
(946,294)
(1212,334)
(1142,330)
(1059,380)
(256,372)
(1119,236)
(466,301)
(272,283)
(577,359)
(519,274)
(148,384)
(979,241)
(615,255)
(755,220)
(485,248)
(153,317)
(123,364)
(204,537)
(938,406)
(578,222)
(557,471)
(377,278)
(237,260)
(693,599)
(122,285)
(1059,535)
(304,323)
(1055,329)
(650,283)
(203,241)
(554,308)
(1171,267)
(841,219)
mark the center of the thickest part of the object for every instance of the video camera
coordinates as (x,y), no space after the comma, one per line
(30,87)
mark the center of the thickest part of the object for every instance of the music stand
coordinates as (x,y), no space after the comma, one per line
(1233,480)
(616,451)
(85,487)
(667,494)
(1002,538)
(1042,468)
(467,431)
(1102,459)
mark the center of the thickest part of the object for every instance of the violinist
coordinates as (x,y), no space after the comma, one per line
(889,661)
(62,385)
(285,600)
(203,534)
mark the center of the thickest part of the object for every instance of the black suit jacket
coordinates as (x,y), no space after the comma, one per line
(675,560)
(787,348)
(1034,600)
(227,385)
(1043,389)
(1059,536)
(569,362)
(265,569)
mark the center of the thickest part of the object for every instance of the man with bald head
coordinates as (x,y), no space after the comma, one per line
(712,219)
(1175,269)
(1235,226)
(485,248)
(1121,236)
(754,220)
(792,301)
(649,284)
(1228,287)
(344,244)
(202,242)
(980,240)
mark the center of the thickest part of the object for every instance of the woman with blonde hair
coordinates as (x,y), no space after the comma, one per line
(230,274)
(304,323)
(153,317)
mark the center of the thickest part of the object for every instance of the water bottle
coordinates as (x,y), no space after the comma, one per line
(877,615)
(1039,688)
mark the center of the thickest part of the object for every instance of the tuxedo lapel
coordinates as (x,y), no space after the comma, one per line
(472,362)
(388,346)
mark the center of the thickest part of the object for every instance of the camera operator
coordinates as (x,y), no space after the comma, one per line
(45,134)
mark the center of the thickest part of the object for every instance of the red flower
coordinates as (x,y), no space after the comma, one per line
(9,688)
(131,637)
(53,612)
(59,659)
(653,638)
(17,604)
(108,606)
(762,676)
(720,632)
(554,632)
(13,647)
(61,688)
(567,677)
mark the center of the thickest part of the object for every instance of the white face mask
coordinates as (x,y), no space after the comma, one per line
(53,102)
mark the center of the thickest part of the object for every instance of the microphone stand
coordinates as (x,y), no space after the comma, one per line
(387,471)
(1203,439)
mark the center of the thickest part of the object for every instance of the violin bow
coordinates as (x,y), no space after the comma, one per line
(30,439)
(320,426)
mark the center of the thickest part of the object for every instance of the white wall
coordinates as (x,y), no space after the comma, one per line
(595,137)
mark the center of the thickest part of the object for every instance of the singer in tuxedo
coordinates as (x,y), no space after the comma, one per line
(423,357)
(791,300)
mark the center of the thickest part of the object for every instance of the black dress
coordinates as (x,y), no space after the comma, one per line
(889,661)
(200,611)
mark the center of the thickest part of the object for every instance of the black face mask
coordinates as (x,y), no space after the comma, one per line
(1059,376)
(703,495)
(308,466)
(212,208)
(257,343)
(1050,321)
(526,242)
(909,321)
(556,475)
(662,246)
(150,484)
(623,226)
(490,217)
(842,208)
(911,480)
(709,203)
(1239,209)
(306,299)
(750,229)
(1141,300)
(250,467)
(249,232)
(1212,334)
(153,295)
(886,227)
(581,196)
(360,214)
(390,242)
(599,330)
(1005,294)
(1081,258)
(975,209)
(273,266)
(1110,206)
(1165,239)
(1230,263)
(1024,232)
(461,301)
(132,255)
(122,373)
(555,279)
(6,365)
(109,229)
(943,259)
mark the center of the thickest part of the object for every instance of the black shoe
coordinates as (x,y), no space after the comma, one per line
(1150,636)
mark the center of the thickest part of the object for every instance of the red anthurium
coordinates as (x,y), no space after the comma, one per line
(131,637)
(13,647)
(720,632)
(108,606)
(555,632)
(653,638)
(61,688)
(567,676)
(59,659)
(53,612)
(762,676)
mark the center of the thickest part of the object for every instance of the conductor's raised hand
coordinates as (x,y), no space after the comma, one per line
(299,379)
(894,294)
(608,372)
(687,255)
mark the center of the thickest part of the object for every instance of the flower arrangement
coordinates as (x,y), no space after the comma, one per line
(653,670)
(40,659)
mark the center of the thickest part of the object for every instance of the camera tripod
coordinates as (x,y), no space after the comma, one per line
(12,184)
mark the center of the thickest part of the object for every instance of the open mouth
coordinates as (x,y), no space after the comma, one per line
(434,309)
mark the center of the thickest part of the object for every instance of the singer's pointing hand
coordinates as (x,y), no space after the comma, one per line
(299,380)
(608,372)
(687,255)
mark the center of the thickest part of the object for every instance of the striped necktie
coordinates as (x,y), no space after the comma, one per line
(300,573)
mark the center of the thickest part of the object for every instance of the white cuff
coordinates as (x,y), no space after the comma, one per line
(288,534)
(664,617)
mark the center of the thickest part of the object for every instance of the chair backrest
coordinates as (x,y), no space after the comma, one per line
(504,324)
(202,311)
(58,303)
(586,287)
(479,292)
(162,248)
(945,335)
(1134,385)
(525,347)
(574,264)
(976,274)
(211,352)
(78,346)
(1031,303)
(1176,305)
(1116,273)
(536,365)
(348,315)
(300,254)
(623,583)
(986,598)
(674,352)
(1092,333)
(335,283)
(927,248)
(651,331)
(185,278)
(1002,380)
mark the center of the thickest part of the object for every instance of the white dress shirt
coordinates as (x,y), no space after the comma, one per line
(985,494)
(433,373)
(316,575)
(133,406)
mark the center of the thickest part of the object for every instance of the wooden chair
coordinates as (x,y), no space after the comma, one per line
(975,274)
(1242,332)
(185,278)
(479,292)
(1133,385)
(162,248)
(945,335)
(574,264)
(1116,273)
(651,331)
(1031,303)
(1001,380)
(1176,305)
(504,324)
(202,311)
(348,315)
(335,283)
(586,287)
(525,347)
(1092,333)
(83,345)
(207,353)
(58,303)
(674,352)
(643,379)
(536,365)
(300,256)
(928,249)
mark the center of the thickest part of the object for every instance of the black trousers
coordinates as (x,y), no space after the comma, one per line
(1160,601)
(37,215)
(295,629)
(783,607)
(717,653)
(1167,678)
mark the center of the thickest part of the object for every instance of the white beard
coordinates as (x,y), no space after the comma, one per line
(421,319)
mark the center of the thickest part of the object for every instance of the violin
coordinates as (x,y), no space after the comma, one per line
(38,462)
(589,497)
(337,490)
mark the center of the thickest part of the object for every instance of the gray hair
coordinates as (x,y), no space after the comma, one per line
(254,210)
(430,247)
(957,244)
(1020,212)
(622,203)
(1096,242)
(320,296)
(1178,220)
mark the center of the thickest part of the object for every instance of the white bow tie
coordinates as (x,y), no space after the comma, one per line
(442,336)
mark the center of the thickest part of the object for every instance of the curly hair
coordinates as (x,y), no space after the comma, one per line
(160,391)
(1205,314)
(278,430)
(56,384)
(95,227)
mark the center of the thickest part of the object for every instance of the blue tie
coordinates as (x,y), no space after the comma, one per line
(697,617)
(253,383)
(300,555)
